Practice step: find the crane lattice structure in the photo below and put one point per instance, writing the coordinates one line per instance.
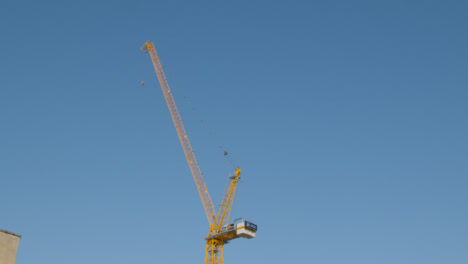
(220, 232)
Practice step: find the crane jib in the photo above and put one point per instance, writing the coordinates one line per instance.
(190, 156)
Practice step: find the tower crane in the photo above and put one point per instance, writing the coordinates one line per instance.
(220, 232)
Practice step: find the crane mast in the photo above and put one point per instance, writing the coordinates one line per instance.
(220, 232)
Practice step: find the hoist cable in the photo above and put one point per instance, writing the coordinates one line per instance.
(227, 154)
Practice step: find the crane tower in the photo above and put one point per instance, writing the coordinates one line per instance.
(220, 232)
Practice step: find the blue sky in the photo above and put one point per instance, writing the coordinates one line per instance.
(348, 119)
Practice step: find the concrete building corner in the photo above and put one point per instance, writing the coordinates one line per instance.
(8, 247)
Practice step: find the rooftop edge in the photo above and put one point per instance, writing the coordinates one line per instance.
(10, 233)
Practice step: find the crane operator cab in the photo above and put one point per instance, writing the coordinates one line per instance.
(242, 228)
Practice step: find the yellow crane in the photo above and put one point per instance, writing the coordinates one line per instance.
(221, 232)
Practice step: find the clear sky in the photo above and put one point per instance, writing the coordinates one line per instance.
(348, 119)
